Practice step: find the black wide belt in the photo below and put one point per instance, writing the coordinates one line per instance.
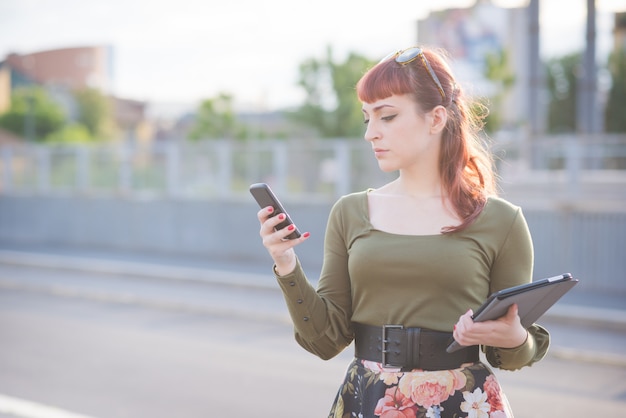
(409, 348)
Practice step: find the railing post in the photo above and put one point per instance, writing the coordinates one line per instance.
(6, 181)
(280, 163)
(573, 166)
(125, 170)
(225, 167)
(43, 168)
(83, 173)
(342, 167)
(172, 169)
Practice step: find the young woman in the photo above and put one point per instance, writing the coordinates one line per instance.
(405, 264)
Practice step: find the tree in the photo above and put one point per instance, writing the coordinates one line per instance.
(33, 114)
(215, 119)
(95, 113)
(70, 133)
(562, 88)
(331, 106)
(615, 113)
(498, 71)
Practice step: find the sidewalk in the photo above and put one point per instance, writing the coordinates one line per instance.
(578, 309)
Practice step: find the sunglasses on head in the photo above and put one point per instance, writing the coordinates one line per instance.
(408, 55)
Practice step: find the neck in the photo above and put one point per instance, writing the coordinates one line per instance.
(420, 187)
(421, 179)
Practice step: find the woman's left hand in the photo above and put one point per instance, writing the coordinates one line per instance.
(504, 332)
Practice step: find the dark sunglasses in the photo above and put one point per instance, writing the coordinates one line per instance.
(411, 54)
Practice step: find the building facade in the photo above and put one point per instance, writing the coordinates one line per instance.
(63, 71)
(469, 35)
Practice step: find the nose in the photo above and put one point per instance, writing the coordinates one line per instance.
(371, 132)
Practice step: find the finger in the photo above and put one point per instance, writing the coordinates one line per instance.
(264, 213)
(512, 312)
(269, 223)
(466, 319)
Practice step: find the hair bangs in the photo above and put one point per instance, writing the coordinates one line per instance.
(382, 81)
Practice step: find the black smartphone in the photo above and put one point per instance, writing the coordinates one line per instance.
(265, 197)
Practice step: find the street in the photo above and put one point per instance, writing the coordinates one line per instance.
(110, 346)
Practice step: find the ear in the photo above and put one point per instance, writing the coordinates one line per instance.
(438, 119)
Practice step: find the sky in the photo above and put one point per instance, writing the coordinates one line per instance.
(176, 53)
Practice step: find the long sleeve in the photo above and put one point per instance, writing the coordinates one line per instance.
(322, 316)
(515, 260)
(374, 277)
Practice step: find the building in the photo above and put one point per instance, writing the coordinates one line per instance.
(469, 34)
(62, 71)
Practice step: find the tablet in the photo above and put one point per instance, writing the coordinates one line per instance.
(533, 300)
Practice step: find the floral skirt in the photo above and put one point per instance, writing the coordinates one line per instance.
(370, 391)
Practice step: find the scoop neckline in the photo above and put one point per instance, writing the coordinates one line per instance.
(372, 228)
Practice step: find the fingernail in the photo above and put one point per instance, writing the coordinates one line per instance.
(306, 234)
(281, 216)
(455, 327)
(270, 209)
(291, 227)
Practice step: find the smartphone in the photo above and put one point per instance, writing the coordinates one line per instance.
(265, 197)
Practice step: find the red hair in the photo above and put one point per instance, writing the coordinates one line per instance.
(465, 164)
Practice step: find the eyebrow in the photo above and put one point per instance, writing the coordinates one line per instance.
(378, 108)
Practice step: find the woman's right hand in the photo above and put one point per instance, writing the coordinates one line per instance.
(279, 247)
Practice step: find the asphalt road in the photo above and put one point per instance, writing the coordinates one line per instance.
(117, 346)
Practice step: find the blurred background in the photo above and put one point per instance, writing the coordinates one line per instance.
(131, 130)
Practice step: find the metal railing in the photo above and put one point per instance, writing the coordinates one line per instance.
(322, 169)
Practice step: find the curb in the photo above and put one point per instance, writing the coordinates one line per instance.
(609, 319)
(141, 269)
(612, 319)
(572, 315)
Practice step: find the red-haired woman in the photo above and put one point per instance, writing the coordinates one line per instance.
(405, 264)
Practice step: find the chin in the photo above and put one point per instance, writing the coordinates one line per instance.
(387, 168)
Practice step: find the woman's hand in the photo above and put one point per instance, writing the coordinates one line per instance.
(279, 247)
(504, 332)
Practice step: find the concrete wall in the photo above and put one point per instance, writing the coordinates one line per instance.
(591, 245)
(224, 229)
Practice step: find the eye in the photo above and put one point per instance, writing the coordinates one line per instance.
(388, 118)
(366, 121)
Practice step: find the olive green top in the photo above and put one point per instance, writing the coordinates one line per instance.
(376, 278)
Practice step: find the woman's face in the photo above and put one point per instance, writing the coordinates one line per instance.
(399, 133)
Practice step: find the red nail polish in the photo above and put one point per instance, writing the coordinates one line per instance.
(281, 216)
(306, 235)
(291, 227)
(270, 209)
(455, 327)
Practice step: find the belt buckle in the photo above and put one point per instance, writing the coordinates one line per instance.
(385, 343)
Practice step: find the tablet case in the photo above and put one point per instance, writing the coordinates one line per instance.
(533, 300)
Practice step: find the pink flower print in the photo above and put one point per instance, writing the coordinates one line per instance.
(389, 375)
(494, 394)
(431, 388)
(395, 405)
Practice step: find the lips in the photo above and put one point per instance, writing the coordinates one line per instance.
(379, 152)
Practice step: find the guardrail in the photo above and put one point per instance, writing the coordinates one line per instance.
(193, 198)
(315, 169)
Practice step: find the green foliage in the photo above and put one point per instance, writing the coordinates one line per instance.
(331, 106)
(70, 133)
(95, 113)
(561, 84)
(33, 114)
(216, 119)
(498, 71)
(615, 113)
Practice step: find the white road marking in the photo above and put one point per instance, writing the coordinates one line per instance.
(27, 409)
